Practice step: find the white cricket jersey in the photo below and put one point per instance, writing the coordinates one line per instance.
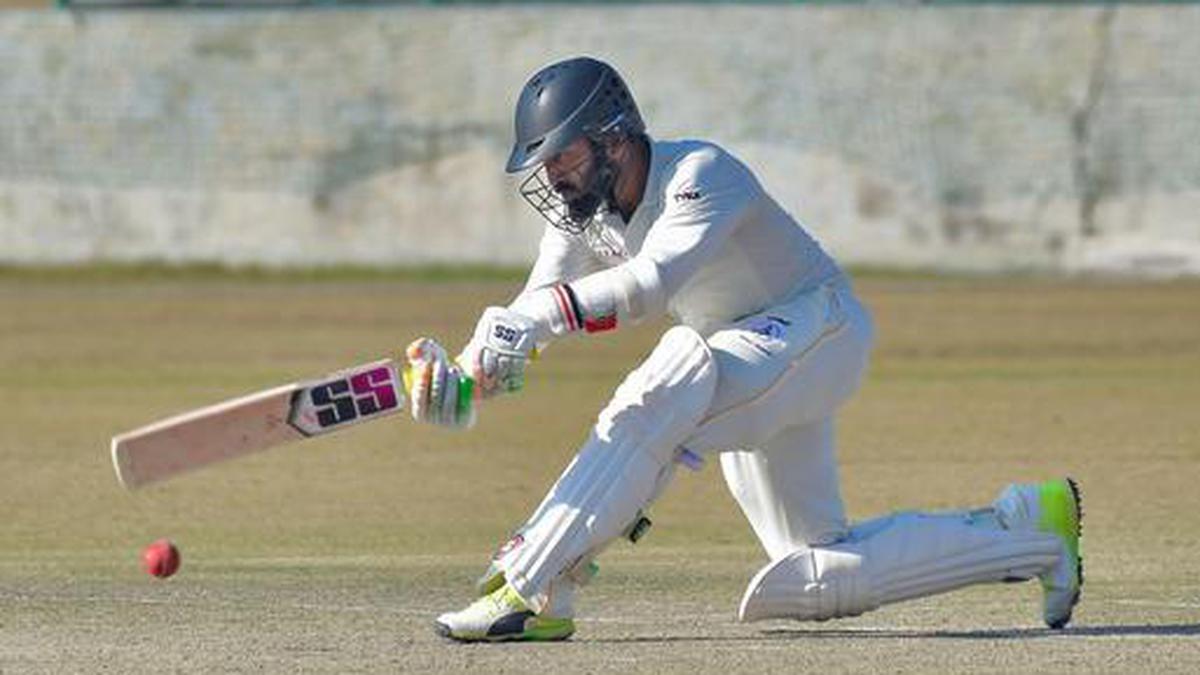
(707, 244)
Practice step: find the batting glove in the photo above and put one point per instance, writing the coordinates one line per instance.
(440, 392)
(496, 356)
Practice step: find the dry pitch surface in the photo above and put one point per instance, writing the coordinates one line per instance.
(334, 555)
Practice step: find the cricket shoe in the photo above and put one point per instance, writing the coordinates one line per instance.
(502, 616)
(1054, 507)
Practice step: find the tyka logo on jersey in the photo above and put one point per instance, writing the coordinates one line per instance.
(687, 195)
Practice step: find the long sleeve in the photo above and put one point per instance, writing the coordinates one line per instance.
(703, 203)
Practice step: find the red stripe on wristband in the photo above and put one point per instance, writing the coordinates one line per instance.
(564, 308)
(576, 310)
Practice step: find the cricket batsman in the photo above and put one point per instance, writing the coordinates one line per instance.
(770, 341)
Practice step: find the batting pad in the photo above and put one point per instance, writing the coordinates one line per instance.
(894, 558)
(622, 466)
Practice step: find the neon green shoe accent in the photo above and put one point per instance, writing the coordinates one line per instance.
(533, 628)
(510, 597)
(1060, 512)
(491, 581)
(544, 629)
(502, 616)
(1061, 515)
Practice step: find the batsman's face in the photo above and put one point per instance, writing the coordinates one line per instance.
(570, 171)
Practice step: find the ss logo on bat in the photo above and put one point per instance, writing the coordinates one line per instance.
(343, 401)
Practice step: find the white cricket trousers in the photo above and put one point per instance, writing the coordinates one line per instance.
(782, 375)
(763, 390)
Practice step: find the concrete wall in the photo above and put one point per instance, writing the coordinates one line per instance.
(973, 137)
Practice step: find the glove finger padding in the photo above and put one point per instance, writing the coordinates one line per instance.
(417, 377)
(496, 373)
(441, 393)
(496, 357)
(450, 375)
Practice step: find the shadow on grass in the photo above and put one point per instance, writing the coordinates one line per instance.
(1141, 630)
(1152, 630)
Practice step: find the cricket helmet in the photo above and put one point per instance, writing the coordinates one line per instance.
(562, 103)
(568, 100)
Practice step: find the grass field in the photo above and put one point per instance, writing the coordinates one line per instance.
(335, 554)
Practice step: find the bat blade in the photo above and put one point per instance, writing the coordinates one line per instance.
(249, 424)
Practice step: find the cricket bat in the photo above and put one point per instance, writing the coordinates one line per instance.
(249, 424)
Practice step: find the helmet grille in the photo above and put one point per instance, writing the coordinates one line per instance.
(540, 194)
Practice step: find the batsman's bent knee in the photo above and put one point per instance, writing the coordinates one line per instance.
(811, 584)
